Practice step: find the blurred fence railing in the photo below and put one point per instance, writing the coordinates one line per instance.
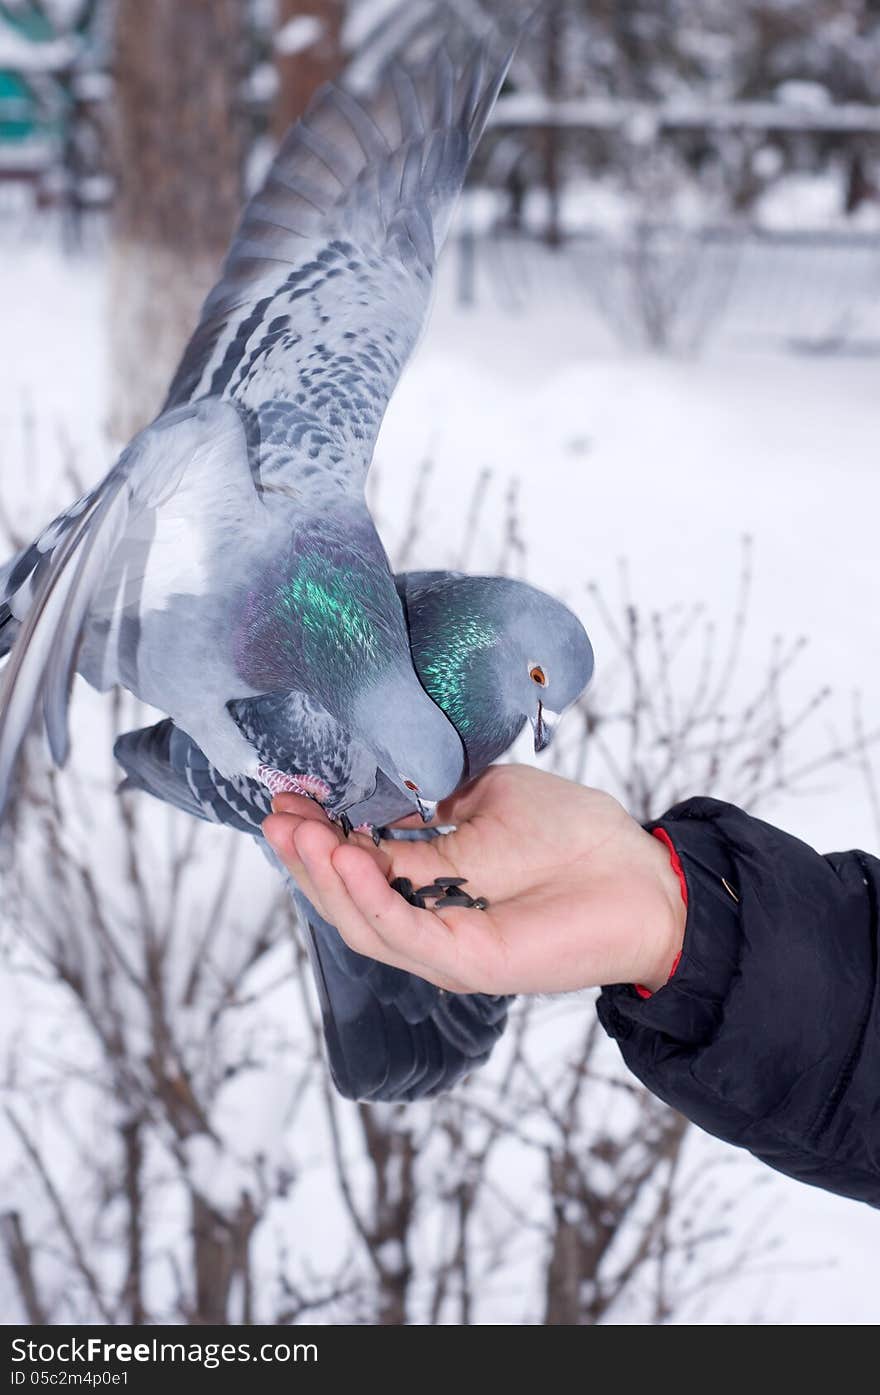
(679, 288)
(531, 109)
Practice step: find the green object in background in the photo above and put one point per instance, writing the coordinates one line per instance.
(27, 20)
(19, 109)
(28, 112)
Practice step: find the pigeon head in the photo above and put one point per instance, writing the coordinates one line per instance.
(494, 653)
(555, 661)
(415, 745)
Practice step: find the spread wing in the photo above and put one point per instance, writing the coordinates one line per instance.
(78, 569)
(327, 284)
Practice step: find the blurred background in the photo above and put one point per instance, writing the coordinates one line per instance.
(650, 385)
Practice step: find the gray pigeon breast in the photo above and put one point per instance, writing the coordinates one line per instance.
(295, 735)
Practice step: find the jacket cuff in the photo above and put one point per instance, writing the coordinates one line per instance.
(688, 1007)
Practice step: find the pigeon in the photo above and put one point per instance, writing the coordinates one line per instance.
(493, 653)
(229, 553)
(476, 642)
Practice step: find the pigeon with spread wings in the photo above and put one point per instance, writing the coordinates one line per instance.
(229, 553)
(493, 653)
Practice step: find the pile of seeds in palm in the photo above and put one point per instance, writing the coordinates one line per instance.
(444, 892)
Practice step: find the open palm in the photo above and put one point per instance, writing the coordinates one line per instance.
(578, 893)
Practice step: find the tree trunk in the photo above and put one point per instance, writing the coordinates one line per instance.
(308, 52)
(221, 1263)
(179, 147)
(392, 1155)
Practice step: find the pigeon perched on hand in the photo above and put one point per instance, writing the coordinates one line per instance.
(229, 553)
(493, 653)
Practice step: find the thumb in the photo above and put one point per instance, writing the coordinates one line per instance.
(456, 808)
(465, 802)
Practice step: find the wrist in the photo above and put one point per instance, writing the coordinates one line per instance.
(663, 937)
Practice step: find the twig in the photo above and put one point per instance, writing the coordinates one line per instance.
(61, 1215)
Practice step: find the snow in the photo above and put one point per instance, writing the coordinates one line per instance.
(92, 85)
(811, 201)
(803, 94)
(261, 84)
(23, 56)
(298, 34)
(619, 453)
(31, 154)
(364, 18)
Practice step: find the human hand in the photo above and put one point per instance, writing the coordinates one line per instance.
(579, 894)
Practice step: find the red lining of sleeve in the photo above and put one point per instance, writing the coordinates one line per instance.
(679, 872)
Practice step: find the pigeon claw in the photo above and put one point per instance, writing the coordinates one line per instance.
(370, 831)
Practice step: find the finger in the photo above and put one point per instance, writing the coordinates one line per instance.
(476, 851)
(301, 807)
(279, 830)
(280, 827)
(522, 944)
(421, 862)
(442, 947)
(380, 855)
(307, 849)
(298, 804)
(358, 930)
(463, 803)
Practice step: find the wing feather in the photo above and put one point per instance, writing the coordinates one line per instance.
(51, 589)
(25, 669)
(327, 284)
(103, 533)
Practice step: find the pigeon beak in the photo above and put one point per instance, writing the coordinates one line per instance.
(544, 725)
(427, 808)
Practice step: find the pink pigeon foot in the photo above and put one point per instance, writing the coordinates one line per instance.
(277, 782)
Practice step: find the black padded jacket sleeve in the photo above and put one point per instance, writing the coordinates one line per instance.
(768, 1033)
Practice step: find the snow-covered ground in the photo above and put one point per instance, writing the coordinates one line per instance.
(663, 461)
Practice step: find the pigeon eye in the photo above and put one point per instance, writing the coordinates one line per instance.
(537, 675)
(411, 785)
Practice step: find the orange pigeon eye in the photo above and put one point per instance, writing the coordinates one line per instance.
(537, 675)
(410, 784)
